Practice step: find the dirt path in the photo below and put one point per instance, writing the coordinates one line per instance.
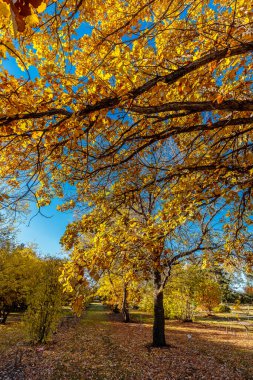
(100, 347)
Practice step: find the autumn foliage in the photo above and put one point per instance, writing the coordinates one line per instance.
(21, 12)
(144, 110)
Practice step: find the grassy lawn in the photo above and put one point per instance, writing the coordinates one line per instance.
(237, 319)
(99, 346)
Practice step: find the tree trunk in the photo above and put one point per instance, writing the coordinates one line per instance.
(159, 320)
(115, 309)
(3, 316)
(125, 308)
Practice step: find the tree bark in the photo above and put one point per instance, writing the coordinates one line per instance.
(159, 320)
(125, 308)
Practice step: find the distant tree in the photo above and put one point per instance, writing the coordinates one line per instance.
(114, 291)
(189, 287)
(248, 290)
(7, 234)
(120, 291)
(209, 294)
(225, 279)
(180, 293)
(18, 267)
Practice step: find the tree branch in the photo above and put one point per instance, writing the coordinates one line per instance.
(228, 105)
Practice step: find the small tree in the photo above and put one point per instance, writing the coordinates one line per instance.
(119, 291)
(109, 290)
(17, 269)
(180, 293)
(45, 302)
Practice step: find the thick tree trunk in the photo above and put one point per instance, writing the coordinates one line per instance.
(159, 320)
(125, 308)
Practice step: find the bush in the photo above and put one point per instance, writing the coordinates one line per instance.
(208, 294)
(222, 309)
(179, 306)
(43, 313)
(147, 302)
(237, 305)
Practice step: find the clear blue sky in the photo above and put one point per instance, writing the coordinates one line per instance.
(44, 231)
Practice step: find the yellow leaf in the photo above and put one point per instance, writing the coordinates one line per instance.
(32, 20)
(41, 8)
(4, 9)
(219, 99)
(2, 49)
(213, 66)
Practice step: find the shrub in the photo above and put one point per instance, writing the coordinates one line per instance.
(237, 305)
(222, 309)
(147, 302)
(180, 307)
(208, 294)
(45, 303)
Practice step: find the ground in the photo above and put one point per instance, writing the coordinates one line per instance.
(99, 347)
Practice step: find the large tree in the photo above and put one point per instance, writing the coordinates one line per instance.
(145, 237)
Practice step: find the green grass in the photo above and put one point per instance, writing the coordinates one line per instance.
(232, 320)
(141, 317)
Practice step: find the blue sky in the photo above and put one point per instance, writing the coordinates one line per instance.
(44, 231)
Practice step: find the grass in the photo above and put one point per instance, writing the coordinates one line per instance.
(237, 319)
(226, 321)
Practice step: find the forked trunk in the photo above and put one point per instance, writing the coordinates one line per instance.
(159, 320)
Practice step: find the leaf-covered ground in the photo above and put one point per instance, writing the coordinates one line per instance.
(99, 346)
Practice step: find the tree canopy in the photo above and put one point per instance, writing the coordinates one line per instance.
(118, 79)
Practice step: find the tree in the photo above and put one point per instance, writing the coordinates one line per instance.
(142, 238)
(119, 291)
(180, 293)
(17, 277)
(189, 287)
(110, 290)
(209, 295)
(44, 302)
